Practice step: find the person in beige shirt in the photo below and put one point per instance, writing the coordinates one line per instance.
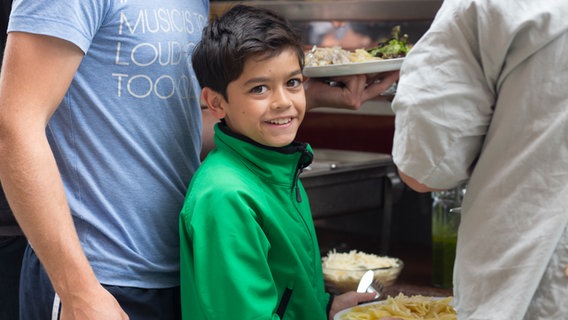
(482, 98)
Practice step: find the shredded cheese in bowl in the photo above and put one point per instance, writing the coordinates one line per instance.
(342, 271)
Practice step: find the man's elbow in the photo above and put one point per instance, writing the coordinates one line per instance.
(414, 184)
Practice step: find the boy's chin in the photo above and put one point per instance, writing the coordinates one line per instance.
(277, 143)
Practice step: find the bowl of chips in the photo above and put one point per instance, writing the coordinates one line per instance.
(343, 271)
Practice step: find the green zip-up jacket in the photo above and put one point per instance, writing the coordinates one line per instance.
(248, 244)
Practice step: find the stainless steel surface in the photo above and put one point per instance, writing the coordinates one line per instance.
(354, 10)
(344, 160)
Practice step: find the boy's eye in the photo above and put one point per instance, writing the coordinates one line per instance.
(293, 83)
(258, 89)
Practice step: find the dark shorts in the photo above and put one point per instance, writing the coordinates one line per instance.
(11, 252)
(38, 299)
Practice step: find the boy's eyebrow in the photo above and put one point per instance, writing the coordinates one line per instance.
(295, 73)
(265, 79)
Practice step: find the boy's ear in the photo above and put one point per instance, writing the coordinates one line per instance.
(214, 102)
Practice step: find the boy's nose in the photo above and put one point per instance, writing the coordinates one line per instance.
(281, 99)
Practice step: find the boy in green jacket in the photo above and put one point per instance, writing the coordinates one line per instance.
(248, 243)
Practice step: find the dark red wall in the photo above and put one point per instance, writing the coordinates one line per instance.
(357, 132)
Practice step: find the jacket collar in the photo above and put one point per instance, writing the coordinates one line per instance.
(276, 164)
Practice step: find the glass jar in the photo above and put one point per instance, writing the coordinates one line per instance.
(446, 214)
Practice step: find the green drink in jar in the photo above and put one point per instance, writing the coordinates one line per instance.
(446, 214)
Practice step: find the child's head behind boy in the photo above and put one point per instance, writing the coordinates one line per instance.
(249, 64)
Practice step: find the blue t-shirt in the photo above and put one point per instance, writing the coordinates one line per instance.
(127, 134)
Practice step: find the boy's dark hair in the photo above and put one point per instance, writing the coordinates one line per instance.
(239, 34)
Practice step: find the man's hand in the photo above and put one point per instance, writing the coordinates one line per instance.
(349, 299)
(99, 305)
(349, 92)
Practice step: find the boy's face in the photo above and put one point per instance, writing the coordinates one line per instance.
(267, 102)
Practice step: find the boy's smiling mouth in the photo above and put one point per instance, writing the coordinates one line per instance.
(281, 121)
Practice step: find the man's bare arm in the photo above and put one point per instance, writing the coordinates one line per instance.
(36, 74)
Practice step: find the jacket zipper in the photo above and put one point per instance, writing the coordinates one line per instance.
(299, 170)
(284, 303)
